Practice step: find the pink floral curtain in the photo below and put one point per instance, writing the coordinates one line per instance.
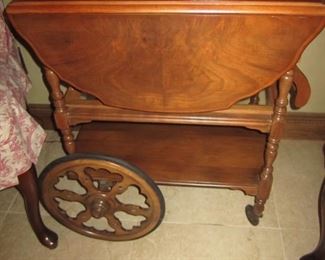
(21, 138)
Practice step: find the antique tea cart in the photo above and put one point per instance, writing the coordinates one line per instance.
(164, 81)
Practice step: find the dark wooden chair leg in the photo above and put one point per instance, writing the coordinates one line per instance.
(29, 190)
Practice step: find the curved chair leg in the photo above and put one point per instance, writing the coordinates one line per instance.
(29, 190)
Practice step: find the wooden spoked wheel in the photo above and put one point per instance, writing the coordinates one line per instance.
(99, 187)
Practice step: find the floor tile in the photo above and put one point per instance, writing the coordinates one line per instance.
(298, 242)
(7, 197)
(18, 207)
(17, 231)
(296, 188)
(163, 243)
(212, 206)
(2, 217)
(50, 152)
(297, 203)
(189, 241)
(200, 223)
(121, 250)
(52, 135)
(306, 156)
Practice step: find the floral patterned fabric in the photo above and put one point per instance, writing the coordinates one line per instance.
(21, 138)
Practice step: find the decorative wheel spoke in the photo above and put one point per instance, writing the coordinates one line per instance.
(119, 188)
(72, 175)
(113, 178)
(115, 223)
(82, 217)
(86, 182)
(134, 210)
(68, 195)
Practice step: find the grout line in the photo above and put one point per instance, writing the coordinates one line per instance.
(238, 226)
(7, 211)
(274, 194)
(223, 225)
(279, 223)
(131, 252)
(303, 228)
(14, 199)
(1, 222)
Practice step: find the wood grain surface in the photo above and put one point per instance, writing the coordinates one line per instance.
(182, 155)
(168, 63)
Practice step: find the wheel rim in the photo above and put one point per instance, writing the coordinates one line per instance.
(105, 181)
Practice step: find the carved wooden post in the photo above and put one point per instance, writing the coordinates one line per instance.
(277, 127)
(60, 113)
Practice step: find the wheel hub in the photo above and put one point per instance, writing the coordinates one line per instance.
(99, 206)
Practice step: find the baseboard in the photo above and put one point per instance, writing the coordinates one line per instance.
(300, 125)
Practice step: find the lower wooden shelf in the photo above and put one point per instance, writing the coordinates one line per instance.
(209, 156)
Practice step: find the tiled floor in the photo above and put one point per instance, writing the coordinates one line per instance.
(199, 223)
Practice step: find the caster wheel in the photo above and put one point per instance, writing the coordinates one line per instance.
(101, 197)
(251, 216)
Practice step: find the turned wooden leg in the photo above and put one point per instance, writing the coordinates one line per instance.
(29, 190)
(60, 113)
(266, 178)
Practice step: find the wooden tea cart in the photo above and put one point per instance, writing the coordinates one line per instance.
(163, 80)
